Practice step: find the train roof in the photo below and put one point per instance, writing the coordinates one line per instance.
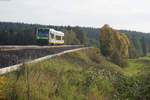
(57, 32)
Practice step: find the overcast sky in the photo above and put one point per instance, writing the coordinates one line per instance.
(119, 14)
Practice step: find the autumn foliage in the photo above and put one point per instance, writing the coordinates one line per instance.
(112, 43)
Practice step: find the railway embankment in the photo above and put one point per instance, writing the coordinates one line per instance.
(81, 75)
(12, 55)
(49, 53)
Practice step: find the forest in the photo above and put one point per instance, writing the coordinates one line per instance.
(24, 34)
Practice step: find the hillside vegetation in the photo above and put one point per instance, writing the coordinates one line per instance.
(82, 75)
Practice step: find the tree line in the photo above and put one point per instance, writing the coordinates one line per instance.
(25, 34)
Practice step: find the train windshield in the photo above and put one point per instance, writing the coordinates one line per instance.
(43, 31)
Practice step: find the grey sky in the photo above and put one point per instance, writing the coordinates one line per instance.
(120, 14)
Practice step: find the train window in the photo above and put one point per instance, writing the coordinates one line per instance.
(62, 37)
(43, 31)
(58, 37)
(52, 36)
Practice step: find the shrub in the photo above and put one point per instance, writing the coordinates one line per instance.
(119, 60)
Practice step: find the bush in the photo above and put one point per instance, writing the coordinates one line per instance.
(119, 60)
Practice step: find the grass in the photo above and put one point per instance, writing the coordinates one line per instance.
(137, 65)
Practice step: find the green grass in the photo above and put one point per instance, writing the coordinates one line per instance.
(137, 65)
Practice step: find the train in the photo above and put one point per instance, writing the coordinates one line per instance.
(49, 36)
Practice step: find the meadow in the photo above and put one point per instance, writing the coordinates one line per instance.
(138, 65)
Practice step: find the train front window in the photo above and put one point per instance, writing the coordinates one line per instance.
(43, 31)
(58, 37)
(52, 36)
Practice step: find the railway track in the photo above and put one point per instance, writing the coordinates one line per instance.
(12, 55)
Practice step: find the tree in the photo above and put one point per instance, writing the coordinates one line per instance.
(106, 40)
(84, 38)
(70, 37)
(124, 45)
(114, 45)
(66, 36)
(144, 45)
